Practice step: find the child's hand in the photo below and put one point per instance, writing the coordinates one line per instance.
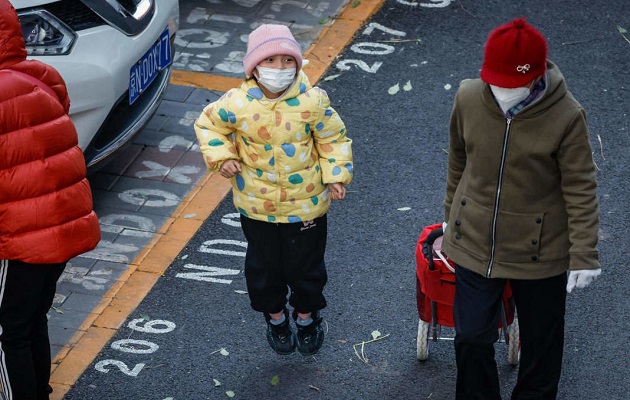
(230, 168)
(337, 191)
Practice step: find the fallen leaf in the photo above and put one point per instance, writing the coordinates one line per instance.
(621, 32)
(331, 77)
(601, 147)
(394, 89)
(224, 352)
(230, 393)
(145, 317)
(324, 21)
(216, 383)
(58, 310)
(275, 380)
(407, 86)
(361, 345)
(314, 388)
(190, 215)
(356, 3)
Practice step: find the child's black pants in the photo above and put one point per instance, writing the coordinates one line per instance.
(283, 256)
(26, 294)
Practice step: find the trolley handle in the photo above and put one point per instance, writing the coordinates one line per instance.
(436, 233)
(431, 238)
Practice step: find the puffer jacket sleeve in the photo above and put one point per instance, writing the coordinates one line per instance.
(46, 212)
(579, 189)
(214, 129)
(333, 145)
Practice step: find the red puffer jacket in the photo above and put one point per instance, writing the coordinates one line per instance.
(46, 211)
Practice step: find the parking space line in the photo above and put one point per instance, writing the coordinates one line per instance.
(145, 270)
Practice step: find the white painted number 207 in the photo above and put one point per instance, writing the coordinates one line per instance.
(345, 65)
(370, 48)
(135, 346)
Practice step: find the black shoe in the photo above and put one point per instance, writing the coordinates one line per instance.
(310, 337)
(281, 337)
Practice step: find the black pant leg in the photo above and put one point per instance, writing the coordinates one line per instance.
(304, 247)
(40, 342)
(266, 284)
(540, 305)
(26, 290)
(476, 314)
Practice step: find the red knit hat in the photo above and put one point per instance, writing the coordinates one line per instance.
(270, 40)
(516, 54)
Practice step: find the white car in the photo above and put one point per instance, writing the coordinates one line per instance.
(115, 56)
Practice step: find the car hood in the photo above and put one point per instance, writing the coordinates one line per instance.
(31, 3)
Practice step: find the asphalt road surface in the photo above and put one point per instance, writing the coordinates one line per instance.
(195, 337)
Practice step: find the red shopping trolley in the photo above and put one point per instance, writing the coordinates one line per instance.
(435, 294)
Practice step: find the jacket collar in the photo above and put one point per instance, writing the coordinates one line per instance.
(555, 90)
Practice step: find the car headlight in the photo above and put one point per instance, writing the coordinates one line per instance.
(44, 34)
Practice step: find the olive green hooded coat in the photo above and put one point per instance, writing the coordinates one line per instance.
(521, 196)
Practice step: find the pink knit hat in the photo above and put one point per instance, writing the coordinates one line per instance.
(516, 54)
(270, 40)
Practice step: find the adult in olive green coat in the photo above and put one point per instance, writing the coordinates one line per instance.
(520, 204)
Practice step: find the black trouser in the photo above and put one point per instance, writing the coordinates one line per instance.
(540, 306)
(283, 256)
(26, 294)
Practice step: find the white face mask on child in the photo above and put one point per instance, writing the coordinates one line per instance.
(275, 80)
(508, 98)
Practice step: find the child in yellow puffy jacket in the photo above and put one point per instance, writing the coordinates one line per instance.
(285, 150)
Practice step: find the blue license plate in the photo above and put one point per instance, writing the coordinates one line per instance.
(143, 73)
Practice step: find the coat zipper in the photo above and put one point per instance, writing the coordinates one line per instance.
(495, 213)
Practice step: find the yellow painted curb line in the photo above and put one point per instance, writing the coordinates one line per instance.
(142, 274)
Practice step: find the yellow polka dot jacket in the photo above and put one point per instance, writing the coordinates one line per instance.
(289, 149)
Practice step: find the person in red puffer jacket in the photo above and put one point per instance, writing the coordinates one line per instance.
(46, 215)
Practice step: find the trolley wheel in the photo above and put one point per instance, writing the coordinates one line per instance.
(514, 343)
(422, 341)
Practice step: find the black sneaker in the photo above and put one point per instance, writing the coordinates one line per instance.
(310, 337)
(281, 337)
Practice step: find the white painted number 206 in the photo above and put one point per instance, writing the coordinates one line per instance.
(135, 346)
(101, 367)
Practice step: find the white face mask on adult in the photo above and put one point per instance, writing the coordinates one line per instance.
(275, 80)
(508, 98)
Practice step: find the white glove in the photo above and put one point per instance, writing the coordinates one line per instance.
(581, 278)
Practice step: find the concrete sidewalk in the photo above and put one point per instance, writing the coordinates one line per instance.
(212, 36)
(154, 195)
